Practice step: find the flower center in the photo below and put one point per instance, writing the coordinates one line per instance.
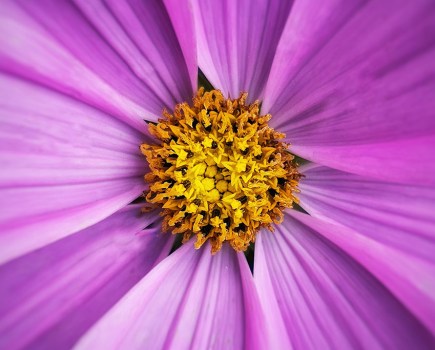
(220, 172)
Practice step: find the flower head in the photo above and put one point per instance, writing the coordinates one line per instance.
(220, 172)
(346, 86)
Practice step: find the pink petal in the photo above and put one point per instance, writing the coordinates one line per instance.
(323, 298)
(352, 86)
(191, 300)
(181, 17)
(391, 230)
(121, 57)
(50, 297)
(398, 216)
(393, 161)
(65, 166)
(237, 41)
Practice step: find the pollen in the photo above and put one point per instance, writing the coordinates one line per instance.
(218, 171)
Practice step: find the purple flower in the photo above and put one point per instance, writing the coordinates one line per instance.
(351, 83)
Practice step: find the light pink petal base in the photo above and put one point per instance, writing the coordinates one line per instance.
(50, 297)
(323, 298)
(191, 300)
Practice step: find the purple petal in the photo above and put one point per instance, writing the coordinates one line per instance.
(366, 108)
(121, 57)
(50, 297)
(190, 300)
(237, 41)
(324, 298)
(398, 216)
(181, 17)
(400, 161)
(392, 230)
(65, 166)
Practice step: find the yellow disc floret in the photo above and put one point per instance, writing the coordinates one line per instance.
(219, 171)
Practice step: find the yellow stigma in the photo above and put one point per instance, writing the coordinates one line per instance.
(219, 171)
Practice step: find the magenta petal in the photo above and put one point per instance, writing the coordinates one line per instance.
(50, 297)
(398, 216)
(121, 57)
(191, 300)
(65, 166)
(181, 17)
(324, 298)
(391, 230)
(366, 108)
(237, 41)
(401, 161)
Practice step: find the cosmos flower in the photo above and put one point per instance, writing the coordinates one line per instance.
(350, 83)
